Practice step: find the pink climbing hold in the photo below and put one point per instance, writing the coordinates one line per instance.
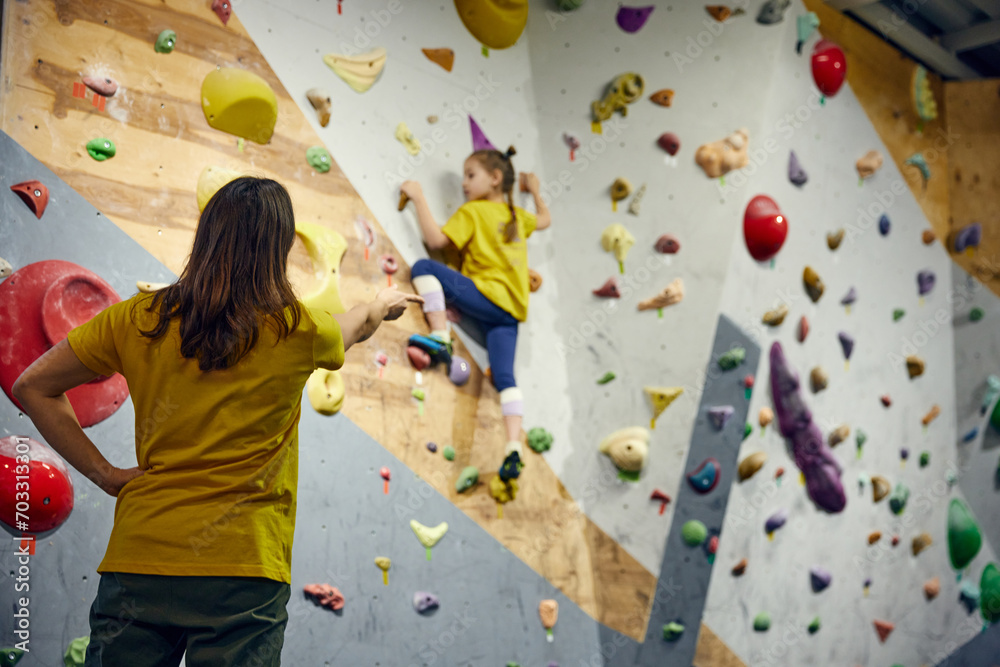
(479, 140)
(669, 142)
(803, 329)
(325, 595)
(101, 85)
(667, 244)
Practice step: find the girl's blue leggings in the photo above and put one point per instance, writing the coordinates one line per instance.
(497, 325)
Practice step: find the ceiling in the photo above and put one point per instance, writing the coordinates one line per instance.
(958, 39)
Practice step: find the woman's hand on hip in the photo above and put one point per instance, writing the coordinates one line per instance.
(113, 479)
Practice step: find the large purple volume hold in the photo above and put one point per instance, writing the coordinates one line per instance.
(812, 455)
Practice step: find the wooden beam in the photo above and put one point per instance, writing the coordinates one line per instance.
(973, 37)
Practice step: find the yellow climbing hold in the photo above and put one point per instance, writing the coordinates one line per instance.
(211, 180)
(240, 103)
(496, 23)
(615, 238)
(326, 248)
(359, 72)
(428, 536)
(384, 564)
(503, 492)
(405, 136)
(325, 389)
(661, 397)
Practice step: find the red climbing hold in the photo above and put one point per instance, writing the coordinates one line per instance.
(829, 67)
(884, 629)
(764, 228)
(222, 9)
(34, 194)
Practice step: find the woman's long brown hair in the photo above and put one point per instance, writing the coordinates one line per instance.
(493, 160)
(236, 278)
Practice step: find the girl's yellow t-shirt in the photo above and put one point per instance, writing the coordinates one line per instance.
(498, 269)
(219, 448)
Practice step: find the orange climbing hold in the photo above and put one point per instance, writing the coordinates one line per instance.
(719, 12)
(663, 97)
(443, 57)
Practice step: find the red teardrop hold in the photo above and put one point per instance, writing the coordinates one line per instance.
(764, 228)
(829, 67)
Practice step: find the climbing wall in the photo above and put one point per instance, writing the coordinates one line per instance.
(872, 580)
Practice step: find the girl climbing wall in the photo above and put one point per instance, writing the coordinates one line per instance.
(200, 551)
(492, 288)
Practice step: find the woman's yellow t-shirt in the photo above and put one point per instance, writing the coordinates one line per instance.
(498, 269)
(219, 448)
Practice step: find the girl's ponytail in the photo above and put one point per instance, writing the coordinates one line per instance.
(510, 229)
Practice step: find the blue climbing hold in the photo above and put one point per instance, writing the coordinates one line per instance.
(705, 477)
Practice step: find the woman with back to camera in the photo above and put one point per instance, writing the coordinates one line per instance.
(215, 364)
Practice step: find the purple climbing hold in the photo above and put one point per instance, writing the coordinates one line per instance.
(812, 455)
(796, 174)
(819, 578)
(904, 453)
(631, 19)
(846, 343)
(432, 447)
(968, 237)
(883, 225)
(479, 140)
(459, 371)
(776, 520)
(850, 297)
(719, 415)
(925, 281)
(705, 477)
(424, 601)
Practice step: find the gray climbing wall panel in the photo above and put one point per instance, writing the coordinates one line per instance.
(686, 571)
(489, 598)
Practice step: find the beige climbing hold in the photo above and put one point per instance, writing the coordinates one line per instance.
(211, 180)
(874, 536)
(325, 389)
(633, 206)
(405, 137)
(432, 119)
(326, 249)
(931, 415)
(627, 448)
(445, 58)
(615, 238)
(839, 434)
(668, 296)
(773, 318)
(932, 587)
(428, 536)
(818, 379)
(813, 283)
(5, 268)
(921, 542)
(144, 286)
(620, 189)
(914, 366)
(548, 612)
(750, 465)
(503, 492)
(720, 157)
(868, 164)
(765, 416)
(320, 101)
(880, 487)
(359, 72)
(834, 239)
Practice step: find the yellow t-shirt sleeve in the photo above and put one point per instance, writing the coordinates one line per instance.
(530, 222)
(328, 343)
(94, 341)
(460, 227)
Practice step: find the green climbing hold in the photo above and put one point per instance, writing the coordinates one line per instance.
(467, 478)
(449, 452)
(606, 378)
(964, 538)
(976, 314)
(732, 358)
(101, 149)
(925, 459)
(513, 664)
(569, 5)
(694, 532)
(898, 498)
(319, 159)
(166, 41)
(897, 314)
(747, 430)
(995, 416)
(539, 439)
(814, 626)
(989, 593)
(76, 652)
(672, 631)
(10, 656)
(418, 394)
(762, 622)
(861, 438)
